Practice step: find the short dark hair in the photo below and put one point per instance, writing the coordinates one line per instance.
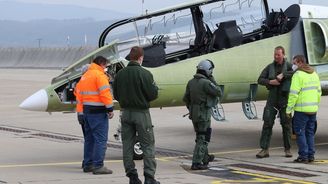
(300, 58)
(100, 60)
(280, 48)
(135, 53)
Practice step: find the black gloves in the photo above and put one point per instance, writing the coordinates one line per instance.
(211, 78)
(80, 118)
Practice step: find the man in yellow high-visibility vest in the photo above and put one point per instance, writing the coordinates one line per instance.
(304, 97)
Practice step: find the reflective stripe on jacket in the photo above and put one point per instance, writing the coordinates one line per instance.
(305, 92)
(93, 89)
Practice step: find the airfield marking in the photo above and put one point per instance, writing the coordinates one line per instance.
(174, 157)
(322, 144)
(51, 164)
(164, 159)
(321, 161)
(260, 178)
(242, 151)
(249, 150)
(230, 152)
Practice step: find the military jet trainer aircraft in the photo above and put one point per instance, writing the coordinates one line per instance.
(237, 35)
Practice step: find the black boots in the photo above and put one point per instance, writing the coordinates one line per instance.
(134, 179)
(196, 166)
(210, 159)
(149, 180)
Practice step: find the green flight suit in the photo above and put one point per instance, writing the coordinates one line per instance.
(134, 88)
(201, 94)
(276, 102)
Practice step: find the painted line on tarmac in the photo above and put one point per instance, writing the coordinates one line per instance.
(321, 161)
(164, 159)
(51, 164)
(242, 151)
(215, 153)
(260, 178)
(251, 150)
(322, 144)
(167, 159)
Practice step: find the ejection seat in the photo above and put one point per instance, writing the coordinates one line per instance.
(154, 54)
(281, 22)
(226, 36)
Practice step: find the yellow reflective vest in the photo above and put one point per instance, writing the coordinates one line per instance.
(305, 92)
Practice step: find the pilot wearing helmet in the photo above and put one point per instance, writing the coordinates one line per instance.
(201, 94)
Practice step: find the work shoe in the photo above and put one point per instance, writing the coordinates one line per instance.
(134, 179)
(198, 167)
(102, 170)
(301, 160)
(263, 154)
(88, 168)
(311, 159)
(210, 159)
(149, 180)
(288, 154)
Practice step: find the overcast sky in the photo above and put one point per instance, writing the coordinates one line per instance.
(136, 6)
(131, 6)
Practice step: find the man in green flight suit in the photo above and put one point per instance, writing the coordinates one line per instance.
(277, 78)
(201, 94)
(134, 88)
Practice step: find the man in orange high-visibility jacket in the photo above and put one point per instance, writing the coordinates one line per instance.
(79, 105)
(94, 93)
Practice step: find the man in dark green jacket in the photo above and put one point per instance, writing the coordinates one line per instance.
(134, 88)
(201, 94)
(276, 77)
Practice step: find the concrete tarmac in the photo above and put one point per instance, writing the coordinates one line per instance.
(40, 148)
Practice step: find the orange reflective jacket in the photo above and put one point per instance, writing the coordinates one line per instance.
(79, 105)
(93, 89)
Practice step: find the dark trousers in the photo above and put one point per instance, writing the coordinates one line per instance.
(200, 154)
(95, 139)
(138, 122)
(269, 116)
(304, 126)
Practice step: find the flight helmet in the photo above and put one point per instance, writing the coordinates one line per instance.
(207, 66)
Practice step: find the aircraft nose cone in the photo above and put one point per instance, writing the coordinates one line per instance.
(36, 102)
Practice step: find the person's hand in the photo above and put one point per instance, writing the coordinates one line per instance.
(289, 115)
(80, 119)
(280, 76)
(274, 82)
(110, 115)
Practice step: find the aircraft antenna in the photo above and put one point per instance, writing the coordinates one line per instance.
(142, 6)
(39, 41)
(85, 39)
(68, 41)
(300, 1)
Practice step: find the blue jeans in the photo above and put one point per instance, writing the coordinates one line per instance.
(95, 139)
(304, 125)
